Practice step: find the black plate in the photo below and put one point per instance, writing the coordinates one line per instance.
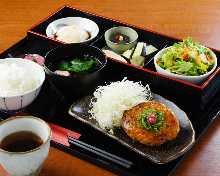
(158, 154)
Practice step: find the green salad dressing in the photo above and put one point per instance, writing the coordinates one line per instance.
(152, 120)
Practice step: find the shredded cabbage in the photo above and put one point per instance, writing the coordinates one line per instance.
(112, 100)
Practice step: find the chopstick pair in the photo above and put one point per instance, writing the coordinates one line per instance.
(101, 153)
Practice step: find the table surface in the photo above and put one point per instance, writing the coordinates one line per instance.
(199, 19)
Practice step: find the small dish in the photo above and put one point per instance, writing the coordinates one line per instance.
(24, 162)
(16, 102)
(85, 24)
(192, 79)
(158, 154)
(121, 47)
(79, 83)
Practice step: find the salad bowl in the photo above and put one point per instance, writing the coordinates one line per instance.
(192, 79)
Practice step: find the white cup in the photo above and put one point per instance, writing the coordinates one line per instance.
(25, 163)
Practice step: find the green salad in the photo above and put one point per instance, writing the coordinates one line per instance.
(187, 58)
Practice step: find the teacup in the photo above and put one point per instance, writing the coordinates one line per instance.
(25, 163)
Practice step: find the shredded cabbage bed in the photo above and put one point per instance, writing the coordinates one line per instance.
(112, 100)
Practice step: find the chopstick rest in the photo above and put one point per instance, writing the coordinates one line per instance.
(60, 134)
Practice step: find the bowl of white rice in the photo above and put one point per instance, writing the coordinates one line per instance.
(20, 83)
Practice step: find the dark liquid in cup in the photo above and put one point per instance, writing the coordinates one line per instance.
(21, 141)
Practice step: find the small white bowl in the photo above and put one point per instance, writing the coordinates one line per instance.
(84, 23)
(121, 47)
(30, 162)
(192, 79)
(17, 102)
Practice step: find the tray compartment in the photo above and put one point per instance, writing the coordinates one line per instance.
(100, 43)
(202, 94)
(103, 23)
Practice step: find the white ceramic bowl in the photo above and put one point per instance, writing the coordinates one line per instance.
(27, 163)
(13, 103)
(84, 23)
(192, 79)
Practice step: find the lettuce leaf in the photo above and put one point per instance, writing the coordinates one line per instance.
(182, 67)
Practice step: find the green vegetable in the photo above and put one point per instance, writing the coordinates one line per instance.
(150, 49)
(78, 65)
(138, 49)
(64, 65)
(187, 58)
(182, 67)
(168, 59)
(128, 53)
(151, 127)
(137, 60)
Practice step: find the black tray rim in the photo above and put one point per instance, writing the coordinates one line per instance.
(213, 117)
(198, 87)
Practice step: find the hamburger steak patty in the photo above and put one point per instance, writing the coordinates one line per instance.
(133, 128)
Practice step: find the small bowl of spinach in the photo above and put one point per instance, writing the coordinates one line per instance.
(75, 70)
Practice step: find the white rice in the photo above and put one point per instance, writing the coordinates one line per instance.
(16, 80)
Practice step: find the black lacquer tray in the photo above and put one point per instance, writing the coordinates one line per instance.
(200, 102)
